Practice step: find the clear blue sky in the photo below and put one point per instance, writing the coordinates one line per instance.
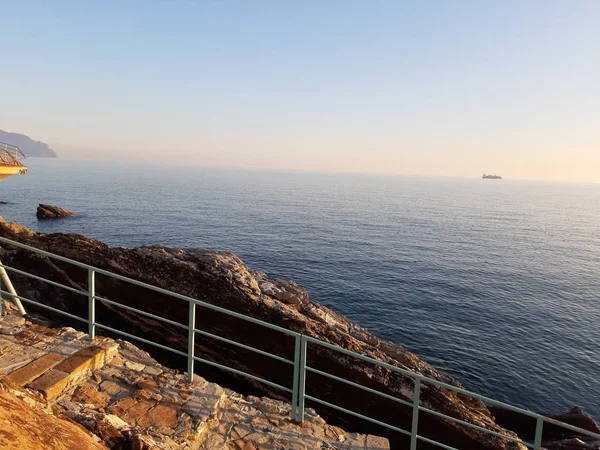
(442, 87)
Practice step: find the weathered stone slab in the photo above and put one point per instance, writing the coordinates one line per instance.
(263, 423)
(113, 388)
(87, 358)
(51, 384)
(90, 396)
(17, 357)
(12, 321)
(70, 347)
(35, 369)
(131, 410)
(149, 385)
(162, 416)
(7, 344)
(123, 405)
(137, 367)
(203, 403)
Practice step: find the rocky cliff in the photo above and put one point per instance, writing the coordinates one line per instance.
(28, 145)
(223, 279)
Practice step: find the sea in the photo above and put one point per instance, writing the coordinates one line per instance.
(496, 282)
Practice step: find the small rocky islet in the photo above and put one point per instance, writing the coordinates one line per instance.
(222, 279)
(47, 212)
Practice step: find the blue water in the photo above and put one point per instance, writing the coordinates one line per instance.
(496, 282)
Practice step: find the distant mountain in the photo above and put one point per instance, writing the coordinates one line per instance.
(28, 145)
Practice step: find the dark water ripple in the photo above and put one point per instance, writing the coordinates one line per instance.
(494, 282)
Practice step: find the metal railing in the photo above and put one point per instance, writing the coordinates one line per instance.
(299, 363)
(11, 154)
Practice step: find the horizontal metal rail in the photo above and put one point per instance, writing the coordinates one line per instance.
(429, 441)
(300, 367)
(143, 313)
(247, 375)
(151, 287)
(45, 280)
(41, 305)
(145, 341)
(359, 386)
(427, 380)
(360, 416)
(246, 347)
(471, 425)
(546, 419)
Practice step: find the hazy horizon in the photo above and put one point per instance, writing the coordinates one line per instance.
(433, 89)
(154, 164)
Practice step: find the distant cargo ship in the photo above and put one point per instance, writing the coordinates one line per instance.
(491, 177)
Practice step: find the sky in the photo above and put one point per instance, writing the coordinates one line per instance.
(453, 88)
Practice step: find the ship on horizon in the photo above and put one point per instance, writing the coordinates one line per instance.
(491, 177)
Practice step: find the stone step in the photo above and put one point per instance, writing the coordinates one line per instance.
(35, 369)
(120, 393)
(72, 371)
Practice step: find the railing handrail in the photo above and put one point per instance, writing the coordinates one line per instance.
(6, 147)
(300, 353)
(150, 287)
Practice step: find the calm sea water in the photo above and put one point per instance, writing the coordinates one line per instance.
(496, 282)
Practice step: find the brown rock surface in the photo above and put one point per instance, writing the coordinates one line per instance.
(23, 427)
(90, 395)
(554, 437)
(45, 212)
(223, 279)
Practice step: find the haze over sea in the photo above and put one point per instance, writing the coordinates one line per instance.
(495, 282)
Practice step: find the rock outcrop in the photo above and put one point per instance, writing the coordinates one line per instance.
(554, 437)
(45, 212)
(222, 279)
(25, 427)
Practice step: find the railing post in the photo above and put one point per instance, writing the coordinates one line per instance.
(11, 289)
(295, 389)
(415, 414)
(301, 378)
(539, 426)
(91, 304)
(191, 340)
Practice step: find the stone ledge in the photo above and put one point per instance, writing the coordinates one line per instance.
(35, 369)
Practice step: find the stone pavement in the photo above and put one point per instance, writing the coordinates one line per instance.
(123, 396)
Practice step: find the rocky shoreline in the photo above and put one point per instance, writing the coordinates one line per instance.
(222, 279)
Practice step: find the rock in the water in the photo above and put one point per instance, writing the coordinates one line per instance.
(52, 212)
(575, 417)
(554, 437)
(223, 279)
